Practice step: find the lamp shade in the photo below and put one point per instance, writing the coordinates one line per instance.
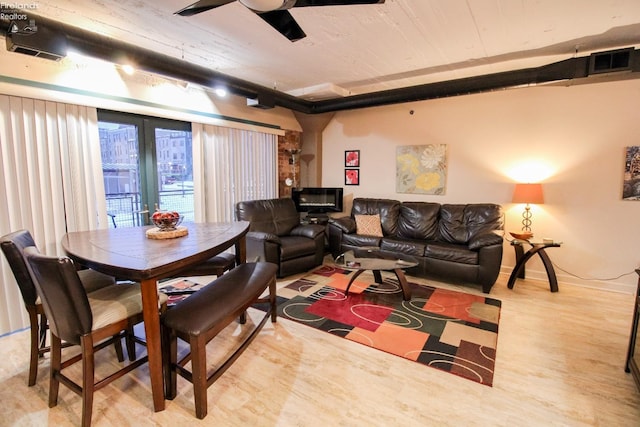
(528, 193)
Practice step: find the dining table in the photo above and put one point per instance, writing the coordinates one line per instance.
(129, 254)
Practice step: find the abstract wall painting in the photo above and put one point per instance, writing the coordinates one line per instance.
(631, 181)
(421, 169)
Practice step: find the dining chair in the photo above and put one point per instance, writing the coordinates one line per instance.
(92, 321)
(215, 266)
(13, 245)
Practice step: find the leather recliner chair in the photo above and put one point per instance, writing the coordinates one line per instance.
(276, 235)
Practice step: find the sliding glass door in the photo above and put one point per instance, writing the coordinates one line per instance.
(147, 164)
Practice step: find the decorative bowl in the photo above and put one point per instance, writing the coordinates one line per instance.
(165, 220)
(523, 235)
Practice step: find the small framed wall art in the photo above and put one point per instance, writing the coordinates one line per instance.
(352, 177)
(352, 158)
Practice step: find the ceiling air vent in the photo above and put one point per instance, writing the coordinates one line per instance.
(263, 101)
(43, 44)
(611, 61)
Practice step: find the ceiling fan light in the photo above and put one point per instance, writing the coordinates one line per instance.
(263, 5)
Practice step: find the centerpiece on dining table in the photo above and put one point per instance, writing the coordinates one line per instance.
(167, 225)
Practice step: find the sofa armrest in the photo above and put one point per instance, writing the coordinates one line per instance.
(261, 236)
(336, 229)
(346, 224)
(263, 246)
(311, 231)
(484, 239)
(489, 262)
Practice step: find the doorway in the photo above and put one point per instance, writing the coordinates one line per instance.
(147, 164)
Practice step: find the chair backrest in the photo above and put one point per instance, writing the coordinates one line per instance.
(63, 297)
(13, 245)
(276, 216)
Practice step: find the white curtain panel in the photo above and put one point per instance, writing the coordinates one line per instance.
(229, 166)
(50, 182)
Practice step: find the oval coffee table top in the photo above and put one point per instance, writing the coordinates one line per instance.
(376, 261)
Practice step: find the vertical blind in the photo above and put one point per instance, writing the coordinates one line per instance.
(51, 178)
(50, 182)
(231, 165)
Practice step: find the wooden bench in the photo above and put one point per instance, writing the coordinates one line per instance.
(199, 318)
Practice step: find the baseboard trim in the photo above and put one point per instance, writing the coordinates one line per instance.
(566, 279)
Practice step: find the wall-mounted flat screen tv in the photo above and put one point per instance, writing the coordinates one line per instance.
(319, 200)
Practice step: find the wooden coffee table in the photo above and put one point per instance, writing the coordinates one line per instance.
(376, 261)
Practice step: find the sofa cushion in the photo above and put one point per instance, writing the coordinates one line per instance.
(389, 211)
(459, 223)
(368, 225)
(485, 239)
(360, 240)
(296, 247)
(451, 252)
(483, 218)
(418, 220)
(408, 247)
(451, 225)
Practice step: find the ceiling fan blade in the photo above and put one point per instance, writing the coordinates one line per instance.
(282, 21)
(202, 6)
(305, 3)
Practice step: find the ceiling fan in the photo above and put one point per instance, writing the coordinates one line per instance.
(273, 12)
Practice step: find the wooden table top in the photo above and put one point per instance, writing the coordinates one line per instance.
(127, 253)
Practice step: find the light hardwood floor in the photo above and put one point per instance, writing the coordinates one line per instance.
(560, 362)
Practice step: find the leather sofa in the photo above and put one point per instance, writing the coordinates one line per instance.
(276, 235)
(459, 243)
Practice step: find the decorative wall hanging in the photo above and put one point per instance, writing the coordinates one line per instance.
(352, 158)
(352, 177)
(631, 182)
(421, 169)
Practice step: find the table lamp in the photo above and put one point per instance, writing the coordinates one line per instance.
(527, 193)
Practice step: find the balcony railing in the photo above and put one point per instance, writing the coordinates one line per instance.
(125, 209)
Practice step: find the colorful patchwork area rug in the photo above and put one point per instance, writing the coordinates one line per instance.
(448, 330)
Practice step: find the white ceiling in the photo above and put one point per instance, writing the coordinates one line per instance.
(359, 49)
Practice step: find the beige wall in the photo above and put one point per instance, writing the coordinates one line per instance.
(571, 139)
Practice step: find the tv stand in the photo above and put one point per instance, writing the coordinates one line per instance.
(317, 218)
